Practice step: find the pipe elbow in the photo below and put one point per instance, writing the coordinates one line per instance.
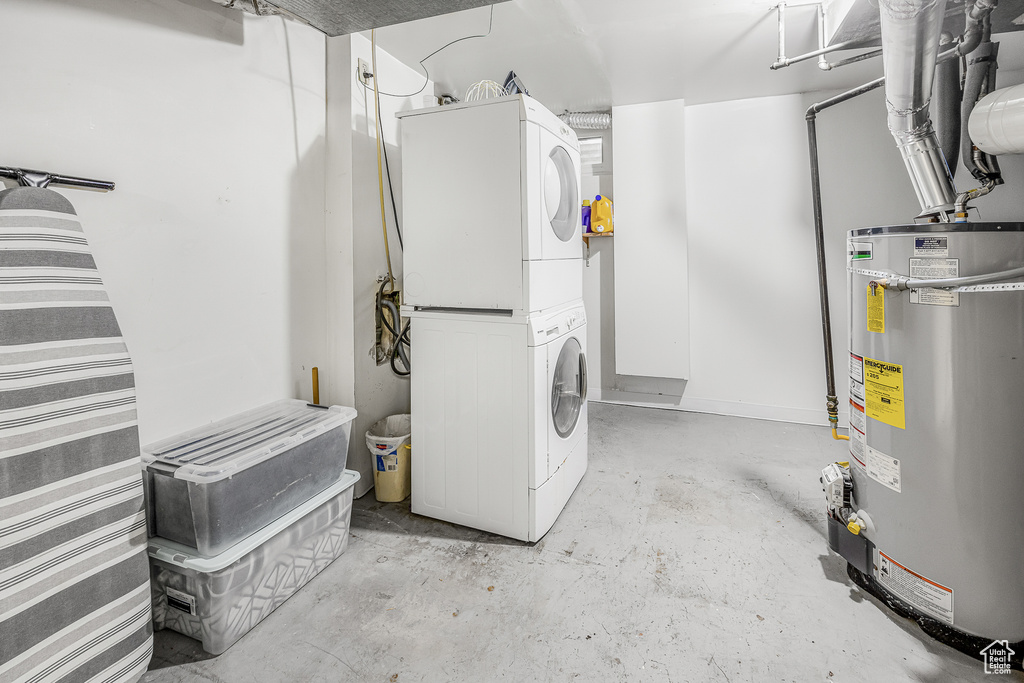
(970, 40)
(976, 15)
(981, 9)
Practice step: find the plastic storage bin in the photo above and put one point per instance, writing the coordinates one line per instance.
(219, 599)
(211, 487)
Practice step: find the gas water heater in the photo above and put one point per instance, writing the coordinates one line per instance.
(925, 510)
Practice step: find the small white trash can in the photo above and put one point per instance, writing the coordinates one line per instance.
(388, 441)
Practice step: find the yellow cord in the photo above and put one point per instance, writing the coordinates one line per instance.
(379, 132)
(839, 437)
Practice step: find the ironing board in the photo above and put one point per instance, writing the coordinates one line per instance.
(74, 575)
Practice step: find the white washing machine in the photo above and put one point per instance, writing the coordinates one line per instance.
(491, 207)
(499, 417)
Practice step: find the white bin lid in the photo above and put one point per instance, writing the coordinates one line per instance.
(227, 446)
(183, 556)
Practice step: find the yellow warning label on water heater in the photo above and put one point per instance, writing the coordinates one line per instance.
(883, 392)
(876, 309)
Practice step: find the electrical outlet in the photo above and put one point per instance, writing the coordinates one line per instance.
(362, 69)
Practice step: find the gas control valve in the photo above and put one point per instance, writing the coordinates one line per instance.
(837, 483)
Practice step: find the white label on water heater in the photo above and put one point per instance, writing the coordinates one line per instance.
(932, 246)
(858, 251)
(857, 391)
(857, 447)
(857, 418)
(929, 597)
(883, 468)
(856, 368)
(934, 268)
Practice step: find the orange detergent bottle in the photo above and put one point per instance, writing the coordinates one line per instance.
(602, 215)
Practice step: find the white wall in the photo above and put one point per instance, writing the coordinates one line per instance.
(599, 294)
(754, 318)
(211, 246)
(355, 239)
(652, 336)
(753, 297)
(228, 281)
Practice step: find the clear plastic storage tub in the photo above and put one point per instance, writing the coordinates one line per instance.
(211, 487)
(219, 599)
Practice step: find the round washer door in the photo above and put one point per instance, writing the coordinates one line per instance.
(561, 195)
(568, 387)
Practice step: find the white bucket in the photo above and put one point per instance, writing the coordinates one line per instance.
(388, 441)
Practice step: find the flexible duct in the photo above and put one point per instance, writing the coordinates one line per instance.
(580, 120)
(910, 43)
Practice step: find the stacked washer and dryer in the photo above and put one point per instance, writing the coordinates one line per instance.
(493, 287)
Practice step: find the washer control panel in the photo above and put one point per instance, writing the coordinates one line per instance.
(546, 328)
(575, 318)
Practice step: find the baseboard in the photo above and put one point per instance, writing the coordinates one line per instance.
(717, 407)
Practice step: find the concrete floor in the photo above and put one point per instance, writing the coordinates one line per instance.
(693, 550)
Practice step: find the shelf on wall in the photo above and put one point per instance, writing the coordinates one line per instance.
(586, 241)
(588, 235)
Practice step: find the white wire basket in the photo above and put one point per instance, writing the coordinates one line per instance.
(485, 90)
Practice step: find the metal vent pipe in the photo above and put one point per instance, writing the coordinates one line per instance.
(910, 44)
(586, 120)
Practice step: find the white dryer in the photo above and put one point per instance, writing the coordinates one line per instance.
(491, 207)
(499, 417)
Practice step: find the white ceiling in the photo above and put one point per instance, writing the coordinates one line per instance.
(585, 55)
(590, 54)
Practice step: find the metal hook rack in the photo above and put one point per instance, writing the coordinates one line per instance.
(31, 178)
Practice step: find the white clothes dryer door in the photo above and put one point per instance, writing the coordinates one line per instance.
(567, 406)
(554, 228)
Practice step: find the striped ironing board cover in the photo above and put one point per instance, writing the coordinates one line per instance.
(74, 574)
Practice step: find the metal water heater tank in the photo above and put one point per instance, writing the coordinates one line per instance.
(937, 407)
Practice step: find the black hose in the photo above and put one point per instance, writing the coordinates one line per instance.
(974, 82)
(378, 310)
(991, 161)
(398, 351)
(947, 100)
(400, 340)
(390, 306)
(398, 348)
(400, 337)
